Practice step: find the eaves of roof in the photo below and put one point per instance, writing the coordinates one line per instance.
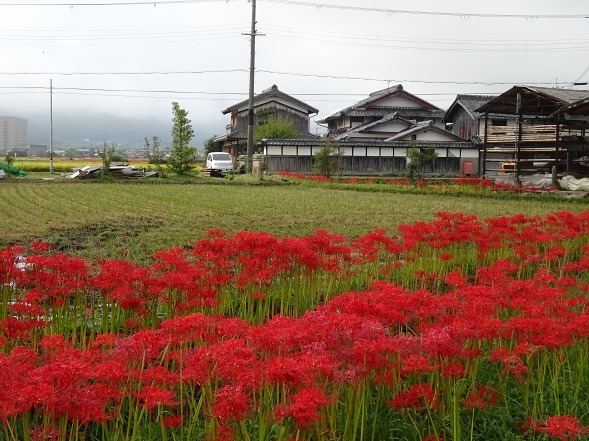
(230, 136)
(420, 127)
(371, 143)
(386, 118)
(469, 103)
(580, 107)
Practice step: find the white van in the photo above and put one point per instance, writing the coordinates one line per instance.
(220, 161)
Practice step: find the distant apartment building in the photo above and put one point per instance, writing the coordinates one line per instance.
(13, 133)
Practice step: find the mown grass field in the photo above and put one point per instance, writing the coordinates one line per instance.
(109, 219)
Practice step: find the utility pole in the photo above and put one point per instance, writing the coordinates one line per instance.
(50, 126)
(250, 109)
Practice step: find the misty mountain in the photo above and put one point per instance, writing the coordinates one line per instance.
(87, 128)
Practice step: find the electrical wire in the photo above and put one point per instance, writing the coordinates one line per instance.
(275, 72)
(391, 12)
(125, 3)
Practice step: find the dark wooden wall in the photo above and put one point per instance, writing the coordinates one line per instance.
(299, 119)
(362, 165)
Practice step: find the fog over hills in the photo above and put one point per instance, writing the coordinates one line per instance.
(93, 129)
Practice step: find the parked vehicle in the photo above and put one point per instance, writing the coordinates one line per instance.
(219, 161)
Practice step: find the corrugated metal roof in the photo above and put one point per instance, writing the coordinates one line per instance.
(566, 95)
(537, 101)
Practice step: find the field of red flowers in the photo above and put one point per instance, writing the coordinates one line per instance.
(458, 329)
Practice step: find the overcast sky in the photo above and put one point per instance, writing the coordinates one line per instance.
(127, 59)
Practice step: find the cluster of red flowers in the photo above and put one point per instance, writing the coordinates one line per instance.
(460, 299)
(469, 183)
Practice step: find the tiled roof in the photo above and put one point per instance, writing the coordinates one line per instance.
(363, 107)
(271, 92)
(230, 136)
(405, 112)
(361, 143)
(471, 103)
(421, 126)
(386, 118)
(414, 129)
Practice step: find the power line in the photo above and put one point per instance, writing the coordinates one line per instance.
(463, 15)
(274, 72)
(67, 90)
(182, 72)
(318, 6)
(369, 44)
(392, 80)
(124, 3)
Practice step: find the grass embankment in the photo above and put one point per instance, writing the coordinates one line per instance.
(105, 220)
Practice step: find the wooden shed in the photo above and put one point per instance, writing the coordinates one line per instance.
(548, 134)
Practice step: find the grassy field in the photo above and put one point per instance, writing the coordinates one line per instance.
(108, 219)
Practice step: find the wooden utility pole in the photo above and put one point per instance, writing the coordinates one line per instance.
(250, 111)
(51, 126)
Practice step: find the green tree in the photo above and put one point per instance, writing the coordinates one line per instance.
(9, 158)
(327, 161)
(418, 159)
(155, 155)
(210, 146)
(182, 157)
(107, 155)
(274, 128)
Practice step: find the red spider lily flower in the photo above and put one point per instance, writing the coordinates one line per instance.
(40, 246)
(156, 375)
(231, 403)
(110, 372)
(481, 398)
(173, 420)
(89, 404)
(453, 370)
(564, 428)
(49, 432)
(216, 233)
(152, 396)
(230, 360)
(416, 364)
(432, 437)
(420, 397)
(286, 371)
(305, 407)
(515, 365)
(103, 341)
(455, 279)
(15, 329)
(26, 309)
